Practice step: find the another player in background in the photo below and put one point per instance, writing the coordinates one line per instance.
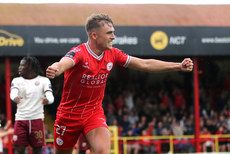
(30, 92)
(82, 146)
(86, 69)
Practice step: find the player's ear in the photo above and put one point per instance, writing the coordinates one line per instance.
(93, 35)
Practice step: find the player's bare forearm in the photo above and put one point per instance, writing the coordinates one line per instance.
(153, 65)
(53, 70)
(58, 68)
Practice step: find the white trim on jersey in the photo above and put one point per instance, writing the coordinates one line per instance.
(92, 53)
(127, 61)
(70, 59)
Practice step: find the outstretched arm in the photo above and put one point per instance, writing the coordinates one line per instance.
(58, 68)
(153, 65)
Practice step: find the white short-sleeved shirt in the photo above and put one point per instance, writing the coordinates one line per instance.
(32, 90)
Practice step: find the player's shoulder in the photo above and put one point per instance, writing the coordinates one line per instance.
(117, 51)
(43, 78)
(80, 49)
(17, 79)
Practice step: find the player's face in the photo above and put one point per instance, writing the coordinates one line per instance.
(105, 36)
(23, 68)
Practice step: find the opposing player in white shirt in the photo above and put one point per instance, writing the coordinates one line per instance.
(30, 92)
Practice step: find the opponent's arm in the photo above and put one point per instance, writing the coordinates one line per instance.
(14, 96)
(48, 99)
(153, 65)
(58, 68)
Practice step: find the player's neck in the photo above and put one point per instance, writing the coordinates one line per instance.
(30, 76)
(94, 48)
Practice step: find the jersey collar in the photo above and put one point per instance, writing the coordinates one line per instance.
(92, 53)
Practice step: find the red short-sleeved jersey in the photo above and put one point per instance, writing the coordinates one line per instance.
(84, 84)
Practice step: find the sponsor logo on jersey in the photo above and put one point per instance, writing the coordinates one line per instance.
(86, 65)
(37, 83)
(50, 86)
(70, 54)
(59, 141)
(75, 50)
(109, 66)
(94, 80)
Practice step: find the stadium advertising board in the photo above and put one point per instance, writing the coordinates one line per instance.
(140, 41)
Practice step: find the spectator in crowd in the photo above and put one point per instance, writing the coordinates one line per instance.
(211, 125)
(222, 121)
(110, 117)
(133, 117)
(177, 128)
(143, 121)
(228, 123)
(222, 141)
(189, 127)
(159, 128)
(166, 122)
(132, 145)
(119, 101)
(129, 100)
(222, 100)
(152, 126)
(179, 100)
(137, 128)
(5, 131)
(146, 144)
(208, 142)
(125, 125)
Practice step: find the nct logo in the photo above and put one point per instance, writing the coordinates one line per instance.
(10, 40)
(159, 40)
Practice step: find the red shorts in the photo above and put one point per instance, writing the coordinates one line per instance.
(67, 131)
(29, 132)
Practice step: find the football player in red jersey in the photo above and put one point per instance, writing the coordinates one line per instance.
(86, 69)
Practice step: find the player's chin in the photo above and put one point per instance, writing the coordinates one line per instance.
(110, 45)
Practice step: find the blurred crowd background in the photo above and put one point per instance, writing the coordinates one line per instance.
(141, 103)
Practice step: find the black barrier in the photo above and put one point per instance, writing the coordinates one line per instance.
(140, 41)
